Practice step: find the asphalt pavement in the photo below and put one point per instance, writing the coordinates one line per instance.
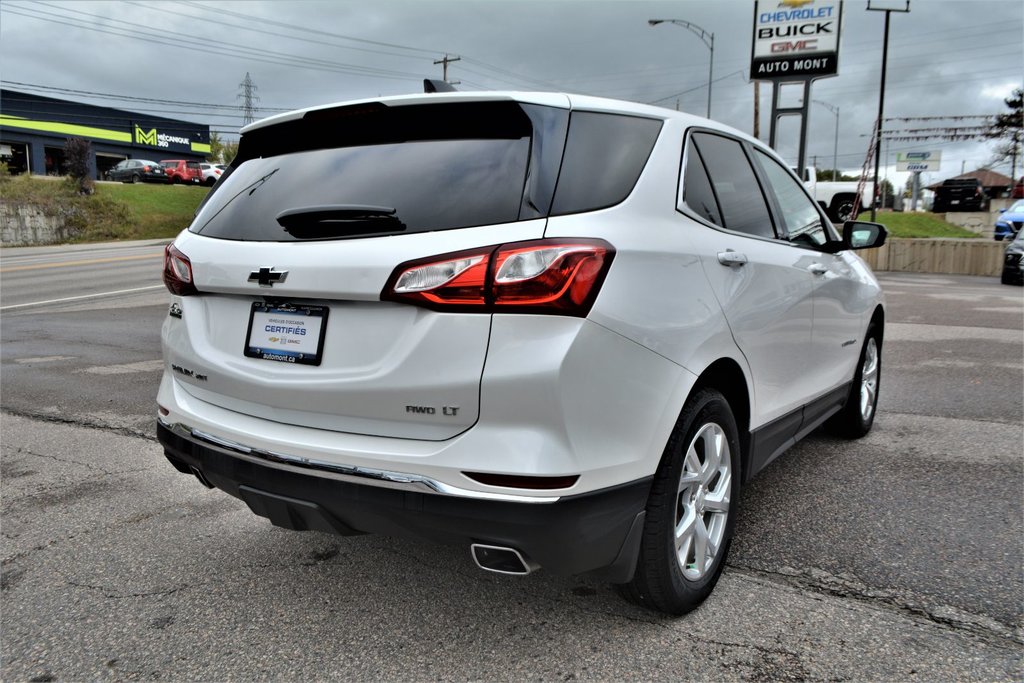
(896, 557)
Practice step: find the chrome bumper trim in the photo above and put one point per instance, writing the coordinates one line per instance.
(350, 473)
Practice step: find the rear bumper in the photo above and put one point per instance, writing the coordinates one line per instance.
(597, 532)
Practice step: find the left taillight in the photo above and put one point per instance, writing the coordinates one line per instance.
(541, 276)
(178, 272)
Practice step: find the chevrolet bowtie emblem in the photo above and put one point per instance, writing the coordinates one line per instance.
(266, 277)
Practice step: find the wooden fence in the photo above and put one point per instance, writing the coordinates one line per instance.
(934, 255)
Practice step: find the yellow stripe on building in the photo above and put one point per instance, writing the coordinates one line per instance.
(200, 148)
(65, 128)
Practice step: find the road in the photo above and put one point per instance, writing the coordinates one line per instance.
(898, 556)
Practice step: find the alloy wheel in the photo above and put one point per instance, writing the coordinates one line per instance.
(702, 501)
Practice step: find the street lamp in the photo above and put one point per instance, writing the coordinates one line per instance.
(835, 145)
(707, 38)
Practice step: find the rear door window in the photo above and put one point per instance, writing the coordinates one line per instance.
(735, 185)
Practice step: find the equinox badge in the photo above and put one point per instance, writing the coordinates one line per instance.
(268, 276)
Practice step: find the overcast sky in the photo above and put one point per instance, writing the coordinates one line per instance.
(946, 57)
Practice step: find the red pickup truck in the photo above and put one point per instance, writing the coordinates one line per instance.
(182, 171)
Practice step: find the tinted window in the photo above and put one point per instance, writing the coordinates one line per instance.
(604, 155)
(354, 172)
(739, 195)
(697, 192)
(802, 221)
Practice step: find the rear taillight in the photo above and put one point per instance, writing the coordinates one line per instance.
(542, 276)
(178, 272)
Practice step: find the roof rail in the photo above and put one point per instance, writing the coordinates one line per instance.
(433, 85)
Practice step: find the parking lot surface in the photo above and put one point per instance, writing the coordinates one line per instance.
(896, 557)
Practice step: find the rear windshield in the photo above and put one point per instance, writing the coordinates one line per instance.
(337, 175)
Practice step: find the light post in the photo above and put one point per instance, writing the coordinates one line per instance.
(887, 6)
(835, 145)
(707, 38)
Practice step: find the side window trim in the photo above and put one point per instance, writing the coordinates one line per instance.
(681, 206)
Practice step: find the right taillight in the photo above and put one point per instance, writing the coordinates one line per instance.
(178, 272)
(560, 276)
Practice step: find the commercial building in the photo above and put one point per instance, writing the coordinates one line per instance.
(33, 130)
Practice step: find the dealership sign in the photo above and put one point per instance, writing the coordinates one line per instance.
(918, 161)
(795, 39)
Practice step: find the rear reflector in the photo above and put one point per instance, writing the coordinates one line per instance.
(540, 276)
(517, 481)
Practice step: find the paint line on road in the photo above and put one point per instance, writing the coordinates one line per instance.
(82, 297)
(42, 359)
(84, 262)
(125, 368)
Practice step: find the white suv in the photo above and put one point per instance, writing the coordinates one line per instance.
(561, 331)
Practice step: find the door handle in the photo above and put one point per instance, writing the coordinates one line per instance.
(817, 268)
(731, 258)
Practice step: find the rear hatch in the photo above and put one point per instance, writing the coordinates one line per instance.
(292, 248)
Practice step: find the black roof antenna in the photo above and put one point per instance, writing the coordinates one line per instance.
(434, 85)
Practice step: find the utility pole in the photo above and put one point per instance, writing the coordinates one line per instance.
(249, 99)
(444, 68)
(881, 93)
(757, 109)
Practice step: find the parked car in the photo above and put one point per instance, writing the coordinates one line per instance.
(137, 170)
(1013, 266)
(837, 198)
(1018, 190)
(515, 323)
(1009, 222)
(183, 171)
(211, 172)
(960, 194)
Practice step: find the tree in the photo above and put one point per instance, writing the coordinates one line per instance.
(77, 153)
(1008, 128)
(228, 151)
(216, 147)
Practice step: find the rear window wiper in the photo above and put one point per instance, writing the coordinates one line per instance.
(339, 221)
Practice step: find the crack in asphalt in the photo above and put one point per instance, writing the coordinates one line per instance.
(825, 583)
(76, 421)
(113, 595)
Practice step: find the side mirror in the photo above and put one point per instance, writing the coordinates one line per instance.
(1002, 210)
(863, 235)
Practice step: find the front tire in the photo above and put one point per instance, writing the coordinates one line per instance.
(841, 209)
(691, 511)
(858, 415)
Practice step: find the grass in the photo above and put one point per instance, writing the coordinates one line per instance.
(156, 210)
(917, 225)
(113, 212)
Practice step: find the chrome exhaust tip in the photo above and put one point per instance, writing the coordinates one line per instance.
(501, 560)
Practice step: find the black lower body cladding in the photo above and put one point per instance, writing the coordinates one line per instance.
(597, 532)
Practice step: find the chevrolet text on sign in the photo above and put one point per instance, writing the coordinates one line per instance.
(795, 39)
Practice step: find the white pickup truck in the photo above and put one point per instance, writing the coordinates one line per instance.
(837, 197)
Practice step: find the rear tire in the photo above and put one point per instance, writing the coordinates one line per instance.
(858, 415)
(135, 178)
(691, 511)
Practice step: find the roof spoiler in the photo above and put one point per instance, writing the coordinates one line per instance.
(433, 85)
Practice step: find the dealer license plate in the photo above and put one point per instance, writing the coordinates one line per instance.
(289, 333)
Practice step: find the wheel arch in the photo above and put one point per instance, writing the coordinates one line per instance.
(878, 321)
(727, 377)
